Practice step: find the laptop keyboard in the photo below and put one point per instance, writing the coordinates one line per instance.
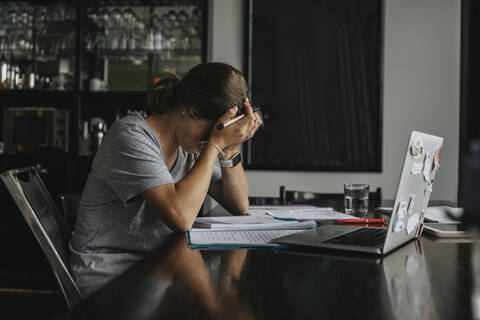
(367, 237)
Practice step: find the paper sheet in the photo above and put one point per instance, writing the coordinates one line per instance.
(438, 214)
(236, 220)
(264, 210)
(276, 225)
(310, 214)
(257, 237)
(433, 214)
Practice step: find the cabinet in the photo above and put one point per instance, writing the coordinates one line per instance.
(94, 59)
(120, 45)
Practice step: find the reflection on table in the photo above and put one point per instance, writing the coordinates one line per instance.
(173, 276)
(424, 279)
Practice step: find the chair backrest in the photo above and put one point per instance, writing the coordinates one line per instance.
(46, 223)
(70, 203)
(334, 200)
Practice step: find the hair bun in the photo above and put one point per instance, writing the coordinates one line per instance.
(160, 93)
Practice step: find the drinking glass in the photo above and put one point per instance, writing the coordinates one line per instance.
(356, 199)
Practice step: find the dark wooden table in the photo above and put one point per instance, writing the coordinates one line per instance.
(425, 279)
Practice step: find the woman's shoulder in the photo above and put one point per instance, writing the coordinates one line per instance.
(131, 124)
(129, 133)
(129, 138)
(132, 120)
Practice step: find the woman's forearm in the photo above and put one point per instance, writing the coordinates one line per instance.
(178, 204)
(234, 190)
(192, 189)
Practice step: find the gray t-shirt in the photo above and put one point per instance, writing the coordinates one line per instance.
(112, 216)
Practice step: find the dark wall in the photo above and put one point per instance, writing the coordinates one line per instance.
(315, 68)
(470, 94)
(470, 73)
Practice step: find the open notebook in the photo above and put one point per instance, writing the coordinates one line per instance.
(259, 227)
(242, 231)
(235, 238)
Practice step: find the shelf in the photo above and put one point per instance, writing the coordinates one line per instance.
(37, 98)
(40, 92)
(63, 54)
(112, 93)
(34, 92)
(65, 99)
(109, 97)
(165, 54)
(12, 97)
(37, 155)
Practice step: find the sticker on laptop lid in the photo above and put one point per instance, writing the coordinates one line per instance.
(420, 224)
(412, 223)
(416, 148)
(400, 216)
(417, 168)
(411, 204)
(436, 158)
(428, 187)
(427, 165)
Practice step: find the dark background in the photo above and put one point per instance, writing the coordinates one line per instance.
(315, 67)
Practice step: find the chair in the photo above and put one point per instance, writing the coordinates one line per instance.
(46, 222)
(70, 203)
(334, 200)
(264, 201)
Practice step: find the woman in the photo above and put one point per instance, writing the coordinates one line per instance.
(151, 175)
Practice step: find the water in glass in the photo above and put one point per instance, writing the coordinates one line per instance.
(356, 199)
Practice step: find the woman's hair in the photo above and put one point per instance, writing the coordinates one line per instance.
(208, 91)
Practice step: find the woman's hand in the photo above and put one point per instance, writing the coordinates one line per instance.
(230, 137)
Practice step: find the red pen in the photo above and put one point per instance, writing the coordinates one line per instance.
(382, 221)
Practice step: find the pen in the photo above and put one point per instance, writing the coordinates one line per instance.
(363, 220)
(229, 122)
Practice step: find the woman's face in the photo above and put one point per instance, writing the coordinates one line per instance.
(192, 131)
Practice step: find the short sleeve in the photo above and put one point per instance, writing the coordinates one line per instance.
(135, 164)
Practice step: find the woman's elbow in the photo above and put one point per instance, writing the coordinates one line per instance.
(181, 226)
(178, 223)
(242, 208)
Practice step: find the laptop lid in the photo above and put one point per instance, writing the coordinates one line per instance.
(414, 188)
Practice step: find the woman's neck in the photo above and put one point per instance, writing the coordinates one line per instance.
(163, 126)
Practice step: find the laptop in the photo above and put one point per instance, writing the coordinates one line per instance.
(406, 221)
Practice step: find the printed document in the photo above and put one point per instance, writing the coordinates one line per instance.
(249, 223)
(259, 238)
(300, 213)
(311, 214)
